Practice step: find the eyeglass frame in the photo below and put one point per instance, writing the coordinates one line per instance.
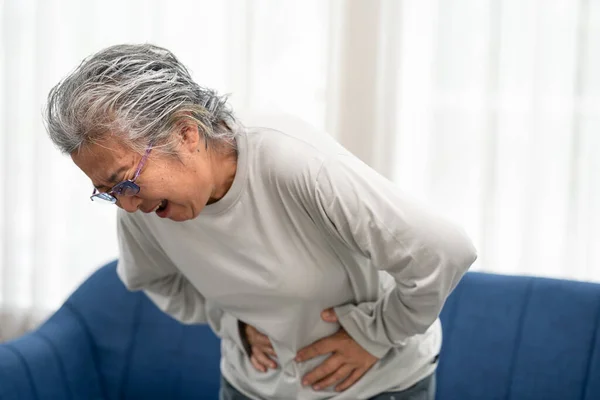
(119, 188)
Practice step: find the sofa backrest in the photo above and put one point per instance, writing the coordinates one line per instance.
(509, 337)
(140, 351)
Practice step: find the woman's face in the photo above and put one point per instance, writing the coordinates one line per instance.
(182, 184)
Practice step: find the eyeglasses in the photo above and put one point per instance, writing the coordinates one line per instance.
(124, 188)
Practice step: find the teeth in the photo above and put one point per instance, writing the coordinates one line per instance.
(161, 204)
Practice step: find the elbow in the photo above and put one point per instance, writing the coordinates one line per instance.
(459, 261)
(468, 257)
(130, 284)
(185, 317)
(182, 313)
(462, 253)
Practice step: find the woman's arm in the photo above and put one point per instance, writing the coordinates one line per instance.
(426, 254)
(143, 266)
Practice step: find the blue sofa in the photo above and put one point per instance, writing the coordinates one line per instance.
(505, 337)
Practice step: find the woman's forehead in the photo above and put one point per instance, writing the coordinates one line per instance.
(103, 161)
(103, 151)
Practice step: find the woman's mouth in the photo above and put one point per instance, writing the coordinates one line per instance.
(162, 209)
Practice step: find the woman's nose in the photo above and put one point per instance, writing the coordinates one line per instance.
(129, 203)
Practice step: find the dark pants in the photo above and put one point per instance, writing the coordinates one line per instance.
(422, 390)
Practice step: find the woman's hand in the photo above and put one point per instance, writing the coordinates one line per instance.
(262, 349)
(346, 365)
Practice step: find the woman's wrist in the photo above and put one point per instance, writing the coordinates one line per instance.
(244, 337)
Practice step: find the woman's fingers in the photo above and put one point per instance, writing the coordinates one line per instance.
(263, 358)
(262, 349)
(258, 366)
(256, 338)
(269, 350)
(349, 381)
(338, 376)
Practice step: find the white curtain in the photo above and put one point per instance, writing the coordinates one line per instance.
(486, 109)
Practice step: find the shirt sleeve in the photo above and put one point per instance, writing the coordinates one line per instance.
(426, 254)
(143, 266)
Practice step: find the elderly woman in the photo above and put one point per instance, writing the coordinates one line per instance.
(322, 278)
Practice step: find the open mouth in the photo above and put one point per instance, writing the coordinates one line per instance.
(162, 208)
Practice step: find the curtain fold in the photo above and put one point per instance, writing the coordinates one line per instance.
(486, 109)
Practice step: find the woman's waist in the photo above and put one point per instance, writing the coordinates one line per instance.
(398, 368)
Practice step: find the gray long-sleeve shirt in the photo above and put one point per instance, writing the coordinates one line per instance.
(305, 226)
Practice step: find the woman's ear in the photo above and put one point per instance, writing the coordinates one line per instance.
(190, 138)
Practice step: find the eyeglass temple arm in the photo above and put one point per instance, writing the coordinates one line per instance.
(142, 162)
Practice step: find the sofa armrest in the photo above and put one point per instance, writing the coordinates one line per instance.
(57, 360)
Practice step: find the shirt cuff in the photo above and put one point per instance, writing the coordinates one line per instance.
(231, 328)
(354, 322)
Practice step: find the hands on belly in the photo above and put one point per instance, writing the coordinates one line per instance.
(346, 365)
(262, 349)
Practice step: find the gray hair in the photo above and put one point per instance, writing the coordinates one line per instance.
(138, 92)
